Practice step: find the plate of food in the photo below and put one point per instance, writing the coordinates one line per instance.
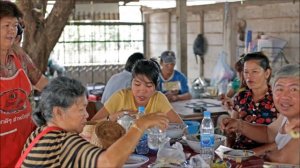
(238, 155)
(135, 161)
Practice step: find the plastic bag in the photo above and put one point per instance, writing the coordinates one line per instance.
(171, 154)
(222, 72)
(198, 161)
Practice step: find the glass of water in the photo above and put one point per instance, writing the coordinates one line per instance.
(155, 138)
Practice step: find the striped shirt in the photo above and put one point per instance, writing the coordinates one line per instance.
(60, 149)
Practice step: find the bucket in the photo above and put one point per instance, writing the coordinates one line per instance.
(193, 126)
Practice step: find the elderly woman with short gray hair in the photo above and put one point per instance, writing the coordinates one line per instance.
(60, 117)
(286, 96)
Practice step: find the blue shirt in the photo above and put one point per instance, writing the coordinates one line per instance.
(115, 83)
(177, 81)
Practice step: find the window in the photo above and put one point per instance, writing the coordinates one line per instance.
(98, 43)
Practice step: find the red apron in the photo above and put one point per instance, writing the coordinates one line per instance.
(15, 115)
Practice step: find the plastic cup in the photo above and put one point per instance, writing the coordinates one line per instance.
(193, 126)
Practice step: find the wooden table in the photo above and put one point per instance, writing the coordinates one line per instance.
(186, 111)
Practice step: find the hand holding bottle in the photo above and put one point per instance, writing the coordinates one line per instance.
(151, 120)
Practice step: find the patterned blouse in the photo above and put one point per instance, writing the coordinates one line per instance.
(261, 112)
(10, 69)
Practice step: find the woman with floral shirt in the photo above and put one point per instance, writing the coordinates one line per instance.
(255, 104)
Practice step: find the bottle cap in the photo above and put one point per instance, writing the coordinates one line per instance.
(141, 109)
(206, 114)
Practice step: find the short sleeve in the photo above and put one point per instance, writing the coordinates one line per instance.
(159, 103)
(120, 100)
(33, 73)
(184, 84)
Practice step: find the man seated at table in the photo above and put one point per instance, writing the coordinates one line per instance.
(286, 95)
(172, 82)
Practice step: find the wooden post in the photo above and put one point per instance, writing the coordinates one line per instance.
(230, 33)
(181, 36)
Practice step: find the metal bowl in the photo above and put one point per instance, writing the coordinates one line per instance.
(176, 130)
(194, 141)
(238, 155)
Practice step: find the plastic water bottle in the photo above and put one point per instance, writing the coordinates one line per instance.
(207, 139)
(142, 146)
(141, 111)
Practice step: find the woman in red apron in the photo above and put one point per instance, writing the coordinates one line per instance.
(17, 73)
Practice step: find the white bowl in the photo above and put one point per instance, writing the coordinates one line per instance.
(135, 161)
(194, 141)
(175, 130)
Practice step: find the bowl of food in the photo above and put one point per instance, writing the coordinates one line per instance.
(193, 141)
(176, 130)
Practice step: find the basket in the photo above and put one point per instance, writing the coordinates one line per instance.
(88, 129)
(106, 133)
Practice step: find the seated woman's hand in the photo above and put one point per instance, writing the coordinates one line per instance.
(230, 125)
(153, 119)
(115, 116)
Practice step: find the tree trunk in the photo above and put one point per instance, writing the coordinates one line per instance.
(41, 34)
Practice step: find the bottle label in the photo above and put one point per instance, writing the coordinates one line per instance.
(207, 140)
(142, 146)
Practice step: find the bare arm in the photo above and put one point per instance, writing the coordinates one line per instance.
(102, 114)
(185, 96)
(256, 132)
(261, 150)
(288, 154)
(172, 97)
(174, 117)
(43, 81)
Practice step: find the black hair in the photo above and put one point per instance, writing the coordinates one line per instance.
(9, 9)
(132, 60)
(261, 58)
(60, 92)
(258, 56)
(148, 68)
(20, 30)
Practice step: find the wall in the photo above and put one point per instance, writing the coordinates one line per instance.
(275, 18)
(89, 75)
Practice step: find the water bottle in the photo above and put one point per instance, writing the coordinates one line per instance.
(207, 139)
(141, 111)
(142, 146)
